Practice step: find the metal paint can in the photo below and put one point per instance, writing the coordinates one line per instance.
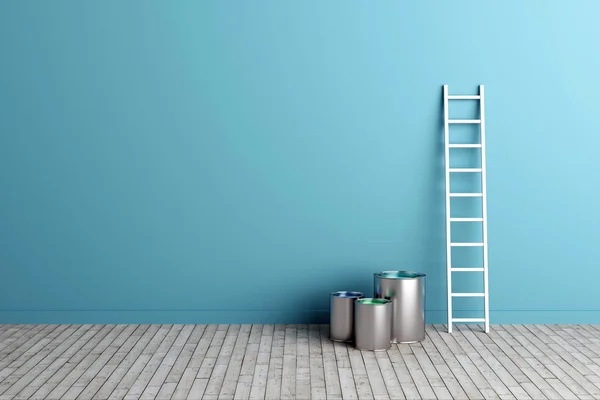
(341, 315)
(372, 324)
(406, 290)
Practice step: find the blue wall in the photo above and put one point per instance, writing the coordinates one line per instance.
(210, 161)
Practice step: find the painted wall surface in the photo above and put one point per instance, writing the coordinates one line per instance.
(211, 161)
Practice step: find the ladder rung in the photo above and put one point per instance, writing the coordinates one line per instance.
(468, 319)
(465, 169)
(466, 219)
(464, 97)
(466, 194)
(468, 294)
(464, 145)
(466, 269)
(464, 121)
(466, 244)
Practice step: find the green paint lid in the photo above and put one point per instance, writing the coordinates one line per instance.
(373, 302)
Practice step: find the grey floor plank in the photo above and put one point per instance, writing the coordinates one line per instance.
(21, 367)
(53, 361)
(7, 338)
(16, 340)
(166, 391)
(579, 357)
(7, 331)
(176, 373)
(554, 356)
(258, 383)
(202, 348)
(472, 362)
(71, 359)
(133, 371)
(219, 370)
(451, 371)
(561, 368)
(197, 389)
(124, 361)
(424, 386)
(184, 357)
(484, 346)
(561, 389)
(295, 362)
(56, 360)
(519, 383)
(347, 383)
(530, 353)
(390, 379)
(332, 379)
(243, 387)
(23, 345)
(376, 381)
(536, 385)
(288, 376)
(112, 364)
(303, 363)
(192, 369)
(317, 372)
(67, 388)
(588, 352)
(234, 380)
(167, 363)
(249, 354)
(435, 373)
(407, 384)
(30, 370)
(141, 383)
(12, 333)
(105, 354)
(36, 348)
(273, 388)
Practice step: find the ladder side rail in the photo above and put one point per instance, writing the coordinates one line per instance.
(448, 247)
(486, 298)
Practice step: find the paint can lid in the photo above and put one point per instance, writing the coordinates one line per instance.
(348, 294)
(399, 274)
(373, 302)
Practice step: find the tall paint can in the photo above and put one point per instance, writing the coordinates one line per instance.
(406, 290)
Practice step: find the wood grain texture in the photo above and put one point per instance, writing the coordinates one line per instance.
(295, 362)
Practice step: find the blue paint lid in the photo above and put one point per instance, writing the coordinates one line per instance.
(348, 294)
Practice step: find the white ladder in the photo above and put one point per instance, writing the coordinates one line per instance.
(450, 219)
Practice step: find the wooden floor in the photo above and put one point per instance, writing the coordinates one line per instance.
(295, 362)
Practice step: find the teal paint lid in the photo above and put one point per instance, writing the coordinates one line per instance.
(399, 274)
